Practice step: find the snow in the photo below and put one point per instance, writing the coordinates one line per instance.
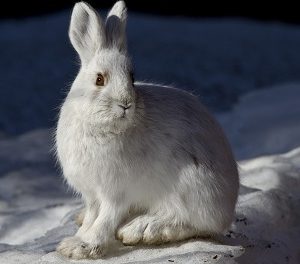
(36, 212)
(250, 69)
(264, 123)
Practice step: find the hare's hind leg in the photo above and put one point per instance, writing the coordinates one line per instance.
(151, 229)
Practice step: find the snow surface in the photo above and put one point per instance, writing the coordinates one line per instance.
(36, 212)
(217, 59)
(266, 122)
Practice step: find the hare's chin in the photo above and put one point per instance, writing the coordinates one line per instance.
(119, 125)
(121, 120)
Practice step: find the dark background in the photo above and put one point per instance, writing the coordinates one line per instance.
(264, 10)
(218, 51)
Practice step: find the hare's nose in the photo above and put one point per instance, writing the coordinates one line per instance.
(124, 106)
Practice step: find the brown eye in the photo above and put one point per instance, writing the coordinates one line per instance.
(100, 80)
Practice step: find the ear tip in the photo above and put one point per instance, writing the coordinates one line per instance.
(119, 9)
(121, 3)
(81, 6)
(120, 6)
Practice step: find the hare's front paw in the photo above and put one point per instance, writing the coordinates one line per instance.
(75, 248)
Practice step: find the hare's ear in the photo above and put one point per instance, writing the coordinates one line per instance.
(86, 32)
(116, 26)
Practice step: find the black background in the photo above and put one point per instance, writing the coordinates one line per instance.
(266, 11)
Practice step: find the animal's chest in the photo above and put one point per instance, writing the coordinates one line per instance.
(87, 161)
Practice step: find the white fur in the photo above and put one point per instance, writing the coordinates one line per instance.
(160, 171)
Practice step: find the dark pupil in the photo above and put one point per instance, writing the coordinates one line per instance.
(100, 80)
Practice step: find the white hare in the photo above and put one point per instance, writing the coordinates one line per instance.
(152, 165)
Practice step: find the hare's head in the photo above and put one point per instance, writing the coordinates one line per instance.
(103, 93)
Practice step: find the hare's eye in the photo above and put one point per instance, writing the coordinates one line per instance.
(100, 80)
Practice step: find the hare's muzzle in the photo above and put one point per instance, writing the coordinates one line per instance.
(124, 108)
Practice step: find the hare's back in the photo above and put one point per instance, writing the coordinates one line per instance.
(177, 108)
(185, 120)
